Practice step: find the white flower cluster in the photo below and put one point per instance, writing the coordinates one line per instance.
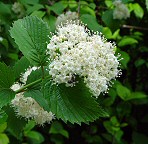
(76, 51)
(61, 19)
(120, 11)
(27, 107)
(18, 9)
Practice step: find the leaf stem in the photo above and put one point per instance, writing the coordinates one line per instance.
(43, 74)
(29, 85)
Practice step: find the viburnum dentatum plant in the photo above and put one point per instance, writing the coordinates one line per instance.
(61, 75)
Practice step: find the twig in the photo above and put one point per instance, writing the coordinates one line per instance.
(134, 27)
(79, 5)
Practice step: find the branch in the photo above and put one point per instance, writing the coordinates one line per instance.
(79, 5)
(134, 27)
(29, 85)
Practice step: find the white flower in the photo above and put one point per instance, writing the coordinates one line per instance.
(18, 9)
(27, 107)
(1, 39)
(61, 19)
(75, 51)
(120, 11)
(25, 75)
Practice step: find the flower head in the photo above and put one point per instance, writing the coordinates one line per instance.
(63, 18)
(27, 107)
(120, 11)
(76, 51)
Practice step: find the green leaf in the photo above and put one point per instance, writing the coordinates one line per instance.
(58, 8)
(38, 97)
(127, 41)
(39, 13)
(29, 126)
(139, 62)
(138, 10)
(57, 128)
(107, 18)
(4, 139)
(35, 136)
(126, 59)
(123, 92)
(139, 138)
(73, 104)
(85, 9)
(20, 67)
(92, 5)
(91, 22)
(35, 75)
(118, 135)
(34, 8)
(146, 3)
(15, 130)
(107, 32)
(6, 96)
(29, 2)
(136, 95)
(6, 81)
(108, 3)
(3, 127)
(31, 35)
(6, 76)
(3, 117)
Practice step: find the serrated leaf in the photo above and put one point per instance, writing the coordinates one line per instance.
(91, 22)
(5, 97)
(38, 97)
(6, 81)
(21, 66)
(31, 35)
(35, 75)
(127, 41)
(73, 104)
(6, 76)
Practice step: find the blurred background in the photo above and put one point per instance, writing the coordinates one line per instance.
(123, 22)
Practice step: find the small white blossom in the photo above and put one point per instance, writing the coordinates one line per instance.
(75, 51)
(25, 75)
(18, 9)
(120, 11)
(61, 19)
(27, 107)
(1, 39)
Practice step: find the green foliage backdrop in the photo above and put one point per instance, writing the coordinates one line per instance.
(127, 100)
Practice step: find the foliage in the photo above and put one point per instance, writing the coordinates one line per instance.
(126, 102)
